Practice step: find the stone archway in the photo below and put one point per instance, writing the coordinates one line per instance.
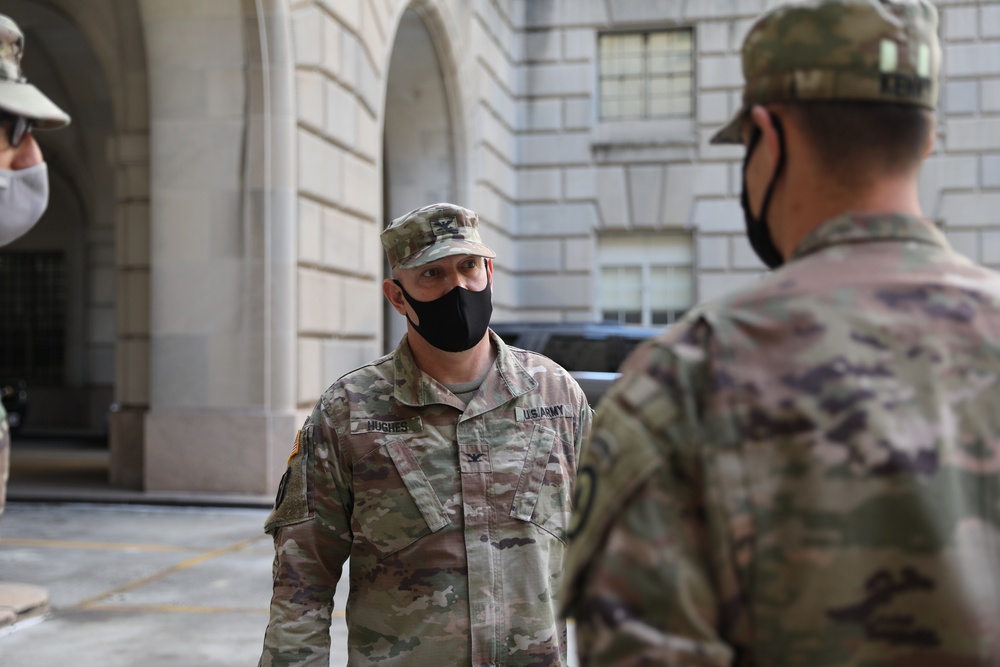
(91, 61)
(420, 164)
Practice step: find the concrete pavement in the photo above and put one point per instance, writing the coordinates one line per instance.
(137, 585)
(131, 578)
(131, 585)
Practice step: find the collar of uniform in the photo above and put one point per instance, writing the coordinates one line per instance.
(413, 387)
(868, 227)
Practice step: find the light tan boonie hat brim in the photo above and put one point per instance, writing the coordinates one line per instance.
(24, 99)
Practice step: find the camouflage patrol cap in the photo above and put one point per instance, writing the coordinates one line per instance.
(17, 96)
(430, 233)
(879, 51)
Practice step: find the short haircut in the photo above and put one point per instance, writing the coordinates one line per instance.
(859, 140)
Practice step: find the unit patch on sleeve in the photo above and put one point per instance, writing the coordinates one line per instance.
(397, 427)
(543, 412)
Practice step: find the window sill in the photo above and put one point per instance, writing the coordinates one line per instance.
(671, 140)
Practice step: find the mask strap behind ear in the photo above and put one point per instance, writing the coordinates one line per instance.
(780, 130)
(758, 230)
(755, 136)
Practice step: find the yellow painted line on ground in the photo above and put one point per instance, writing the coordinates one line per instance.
(174, 608)
(185, 609)
(105, 546)
(183, 565)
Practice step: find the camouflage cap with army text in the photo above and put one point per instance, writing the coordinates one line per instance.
(878, 51)
(17, 96)
(433, 232)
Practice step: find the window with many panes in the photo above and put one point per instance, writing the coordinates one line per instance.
(646, 75)
(33, 316)
(645, 278)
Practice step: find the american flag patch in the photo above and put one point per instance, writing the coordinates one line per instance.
(295, 447)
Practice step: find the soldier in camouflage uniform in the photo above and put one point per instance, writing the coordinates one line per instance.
(24, 191)
(442, 471)
(807, 473)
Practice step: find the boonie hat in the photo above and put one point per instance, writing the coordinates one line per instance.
(881, 51)
(428, 234)
(17, 96)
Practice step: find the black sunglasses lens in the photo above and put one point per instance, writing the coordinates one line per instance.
(20, 128)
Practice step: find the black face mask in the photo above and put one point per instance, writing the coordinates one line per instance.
(758, 231)
(454, 322)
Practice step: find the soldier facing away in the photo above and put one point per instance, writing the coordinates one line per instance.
(807, 472)
(24, 182)
(442, 470)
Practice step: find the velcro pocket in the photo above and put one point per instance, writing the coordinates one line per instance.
(395, 504)
(543, 490)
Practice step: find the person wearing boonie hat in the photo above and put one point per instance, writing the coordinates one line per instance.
(803, 473)
(24, 184)
(24, 196)
(442, 471)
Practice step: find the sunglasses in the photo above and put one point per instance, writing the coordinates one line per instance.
(19, 127)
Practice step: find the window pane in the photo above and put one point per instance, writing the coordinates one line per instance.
(630, 89)
(669, 63)
(670, 40)
(630, 108)
(667, 316)
(653, 72)
(621, 288)
(676, 86)
(670, 288)
(610, 109)
(621, 76)
(669, 106)
(662, 259)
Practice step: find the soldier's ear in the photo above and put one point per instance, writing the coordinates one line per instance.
(931, 133)
(394, 294)
(770, 141)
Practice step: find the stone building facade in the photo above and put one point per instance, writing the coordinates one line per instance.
(218, 198)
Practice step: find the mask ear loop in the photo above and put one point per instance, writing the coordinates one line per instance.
(759, 233)
(777, 171)
(744, 196)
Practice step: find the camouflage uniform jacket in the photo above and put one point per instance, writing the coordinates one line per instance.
(454, 518)
(805, 473)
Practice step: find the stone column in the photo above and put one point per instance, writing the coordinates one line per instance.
(222, 264)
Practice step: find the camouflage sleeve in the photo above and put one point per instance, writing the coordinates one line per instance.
(312, 540)
(643, 579)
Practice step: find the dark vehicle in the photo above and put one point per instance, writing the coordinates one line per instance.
(591, 352)
(14, 392)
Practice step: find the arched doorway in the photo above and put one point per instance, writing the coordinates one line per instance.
(419, 165)
(88, 256)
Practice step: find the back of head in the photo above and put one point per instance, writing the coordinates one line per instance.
(17, 96)
(870, 52)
